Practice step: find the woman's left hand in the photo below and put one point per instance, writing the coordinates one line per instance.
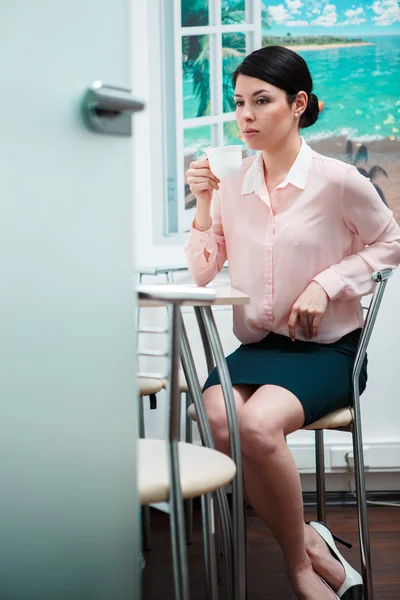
(308, 310)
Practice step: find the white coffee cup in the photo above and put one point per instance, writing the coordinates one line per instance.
(225, 160)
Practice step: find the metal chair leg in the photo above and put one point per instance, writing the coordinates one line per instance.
(177, 520)
(245, 506)
(178, 541)
(320, 474)
(206, 438)
(239, 567)
(210, 557)
(188, 504)
(362, 511)
(145, 510)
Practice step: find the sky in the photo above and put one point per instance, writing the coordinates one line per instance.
(336, 17)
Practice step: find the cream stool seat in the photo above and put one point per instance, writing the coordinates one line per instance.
(183, 386)
(202, 470)
(148, 386)
(338, 419)
(342, 419)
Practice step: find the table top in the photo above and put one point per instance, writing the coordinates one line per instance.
(225, 296)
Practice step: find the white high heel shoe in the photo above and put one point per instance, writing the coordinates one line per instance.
(352, 588)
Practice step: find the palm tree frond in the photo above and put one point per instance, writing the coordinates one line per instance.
(362, 154)
(377, 170)
(265, 18)
(349, 151)
(194, 13)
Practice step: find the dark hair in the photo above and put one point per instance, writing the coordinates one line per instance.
(286, 70)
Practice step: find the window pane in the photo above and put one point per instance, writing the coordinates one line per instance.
(233, 11)
(195, 141)
(196, 76)
(233, 53)
(194, 13)
(231, 134)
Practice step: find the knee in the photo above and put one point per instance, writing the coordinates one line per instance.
(259, 437)
(215, 409)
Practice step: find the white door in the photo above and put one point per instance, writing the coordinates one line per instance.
(68, 500)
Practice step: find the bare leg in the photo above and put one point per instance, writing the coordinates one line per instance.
(215, 408)
(322, 561)
(273, 483)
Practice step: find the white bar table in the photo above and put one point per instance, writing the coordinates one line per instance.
(233, 536)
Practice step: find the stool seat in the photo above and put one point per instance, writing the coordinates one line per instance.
(202, 470)
(148, 386)
(183, 386)
(338, 419)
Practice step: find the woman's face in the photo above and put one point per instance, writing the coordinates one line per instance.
(263, 114)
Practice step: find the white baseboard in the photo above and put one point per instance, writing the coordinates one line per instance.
(379, 457)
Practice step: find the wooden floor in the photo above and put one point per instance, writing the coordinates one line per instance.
(265, 576)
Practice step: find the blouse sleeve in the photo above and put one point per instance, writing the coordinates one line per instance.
(367, 216)
(202, 269)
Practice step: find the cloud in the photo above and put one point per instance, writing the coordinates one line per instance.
(298, 23)
(279, 14)
(328, 17)
(294, 6)
(387, 11)
(355, 16)
(313, 12)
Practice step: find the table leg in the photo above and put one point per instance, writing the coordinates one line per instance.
(210, 366)
(192, 379)
(205, 341)
(239, 566)
(210, 555)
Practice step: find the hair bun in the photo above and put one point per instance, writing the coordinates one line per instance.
(311, 113)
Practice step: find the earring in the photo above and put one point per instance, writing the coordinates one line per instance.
(296, 114)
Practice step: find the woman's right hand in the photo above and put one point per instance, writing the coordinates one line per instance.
(201, 180)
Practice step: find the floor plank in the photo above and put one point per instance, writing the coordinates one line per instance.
(265, 574)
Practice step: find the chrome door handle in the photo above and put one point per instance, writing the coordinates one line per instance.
(108, 109)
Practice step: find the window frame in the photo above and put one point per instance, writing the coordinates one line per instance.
(168, 124)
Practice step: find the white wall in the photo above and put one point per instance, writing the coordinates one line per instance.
(380, 402)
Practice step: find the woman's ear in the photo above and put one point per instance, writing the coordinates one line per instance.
(300, 104)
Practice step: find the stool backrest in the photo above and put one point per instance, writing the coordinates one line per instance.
(380, 278)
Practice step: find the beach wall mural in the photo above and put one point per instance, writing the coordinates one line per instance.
(353, 51)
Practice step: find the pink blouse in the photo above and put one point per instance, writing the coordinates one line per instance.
(325, 222)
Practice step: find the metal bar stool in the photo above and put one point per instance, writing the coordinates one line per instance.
(170, 470)
(349, 419)
(147, 387)
(169, 272)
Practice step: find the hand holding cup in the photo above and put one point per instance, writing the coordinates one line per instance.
(201, 180)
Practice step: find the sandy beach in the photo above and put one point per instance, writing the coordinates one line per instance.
(328, 46)
(384, 153)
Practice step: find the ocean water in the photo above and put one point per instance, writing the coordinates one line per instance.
(359, 85)
(360, 88)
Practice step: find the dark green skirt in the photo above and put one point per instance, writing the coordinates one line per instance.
(319, 375)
